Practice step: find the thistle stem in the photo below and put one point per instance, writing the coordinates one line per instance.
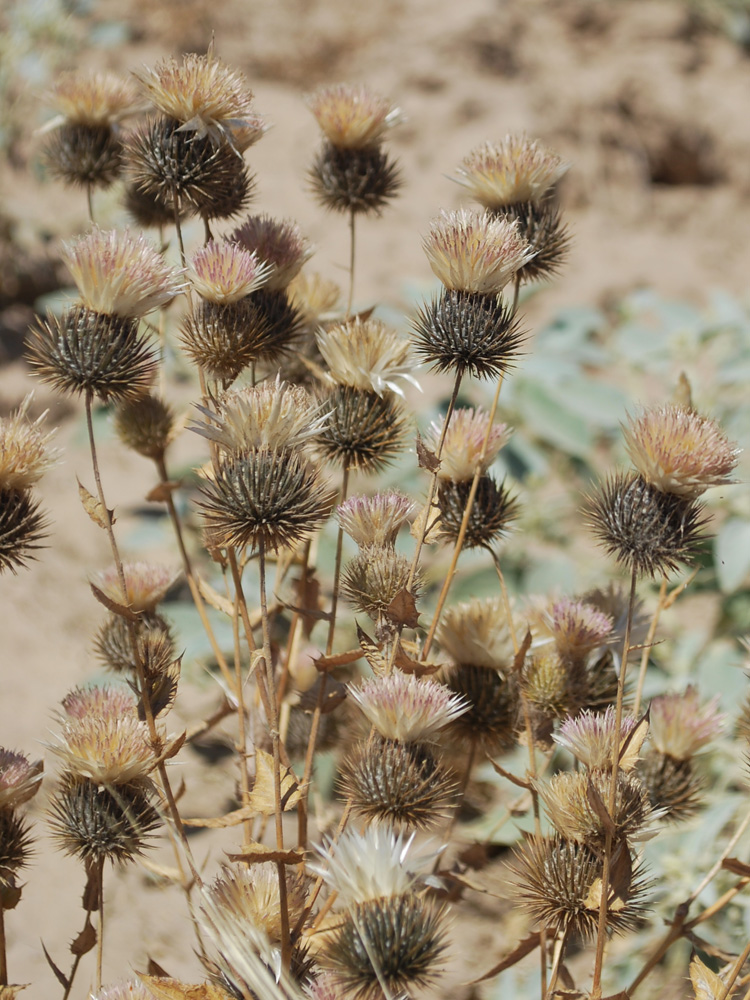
(241, 745)
(647, 646)
(352, 244)
(100, 935)
(3, 949)
(90, 202)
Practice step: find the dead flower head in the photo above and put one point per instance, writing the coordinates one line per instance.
(476, 633)
(108, 750)
(146, 584)
(91, 98)
(25, 449)
(278, 242)
(464, 444)
(19, 779)
(367, 355)
(223, 272)
(513, 171)
(402, 707)
(102, 702)
(251, 897)
(590, 737)
(575, 627)
(353, 117)
(681, 725)
(374, 520)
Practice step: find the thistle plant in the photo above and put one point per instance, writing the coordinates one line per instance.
(344, 644)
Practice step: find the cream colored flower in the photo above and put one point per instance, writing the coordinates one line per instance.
(510, 172)
(403, 707)
(224, 272)
(25, 452)
(369, 355)
(463, 446)
(353, 117)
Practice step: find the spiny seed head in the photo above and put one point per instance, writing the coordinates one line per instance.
(84, 155)
(101, 702)
(251, 896)
(278, 242)
(353, 117)
(681, 725)
(149, 210)
(268, 415)
(25, 449)
(146, 425)
(575, 627)
(673, 786)
(22, 528)
(84, 351)
(94, 821)
(476, 633)
(206, 96)
(493, 707)
(374, 520)
(546, 683)
(463, 333)
(510, 172)
(355, 181)
(120, 274)
(464, 444)
(679, 451)
(367, 355)
(590, 737)
(392, 942)
(372, 865)
(282, 322)
(400, 784)
(223, 272)
(19, 779)
(402, 707)
(146, 584)
(83, 97)
(114, 646)
(225, 339)
(492, 513)
(559, 881)
(264, 497)
(472, 251)
(568, 800)
(164, 161)
(364, 431)
(542, 227)
(646, 530)
(15, 847)
(109, 750)
(374, 578)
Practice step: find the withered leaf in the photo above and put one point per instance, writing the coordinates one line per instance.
(163, 871)
(117, 609)
(408, 665)
(174, 989)
(520, 951)
(154, 969)
(254, 854)
(9, 992)
(85, 941)
(508, 776)
(736, 866)
(630, 748)
(262, 799)
(520, 657)
(214, 598)
(597, 804)
(403, 609)
(98, 513)
(307, 596)
(59, 974)
(10, 896)
(162, 491)
(233, 818)
(426, 458)
(326, 663)
(706, 984)
(371, 650)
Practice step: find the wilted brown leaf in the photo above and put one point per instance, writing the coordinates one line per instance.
(173, 989)
(262, 799)
(85, 941)
(408, 665)
(706, 984)
(162, 492)
(233, 818)
(520, 951)
(117, 609)
(253, 853)
(326, 663)
(426, 458)
(98, 513)
(403, 609)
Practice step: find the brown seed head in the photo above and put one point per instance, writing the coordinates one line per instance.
(364, 431)
(314, 296)
(515, 170)
(681, 725)
(492, 513)
(673, 786)
(278, 242)
(374, 578)
(353, 117)
(354, 181)
(374, 520)
(542, 226)
(464, 444)
(114, 646)
(493, 707)
(569, 805)
(19, 779)
(15, 848)
(146, 425)
(224, 272)
(225, 339)
(22, 528)
(84, 155)
(367, 355)
(25, 449)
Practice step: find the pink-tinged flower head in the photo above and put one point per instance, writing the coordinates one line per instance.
(368, 355)
(225, 273)
(120, 274)
(464, 443)
(109, 750)
(472, 251)
(19, 778)
(91, 98)
(402, 707)
(279, 242)
(510, 172)
(102, 702)
(679, 451)
(25, 452)
(577, 628)
(353, 117)
(590, 737)
(681, 726)
(374, 520)
(146, 584)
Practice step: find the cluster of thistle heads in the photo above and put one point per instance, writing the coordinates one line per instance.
(292, 387)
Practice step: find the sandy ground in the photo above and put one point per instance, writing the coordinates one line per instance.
(647, 104)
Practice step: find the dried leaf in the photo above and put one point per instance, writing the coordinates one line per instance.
(736, 866)
(630, 748)
(162, 492)
(426, 525)
(510, 777)
(307, 595)
(520, 951)
(85, 941)
(98, 513)
(597, 804)
(426, 458)
(215, 599)
(90, 896)
(520, 657)
(10, 896)
(9, 992)
(254, 854)
(163, 871)
(174, 989)
(326, 663)
(408, 665)
(154, 969)
(319, 616)
(117, 609)
(706, 984)
(59, 974)
(163, 691)
(262, 799)
(172, 749)
(233, 818)
(403, 609)
(371, 650)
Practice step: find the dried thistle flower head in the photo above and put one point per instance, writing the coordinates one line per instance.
(120, 274)
(25, 449)
(19, 779)
(679, 451)
(251, 896)
(15, 851)
(515, 170)
(374, 864)
(223, 272)
(476, 633)
(681, 725)
(673, 786)
(22, 528)
(401, 784)
(129, 990)
(146, 584)
(272, 414)
(367, 355)
(493, 707)
(374, 520)
(206, 96)
(354, 181)
(108, 750)
(95, 821)
(472, 251)
(278, 242)
(225, 339)
(646, 530)
(353, 117)
(83, 97)
(114, 645)
(547, 685)
(314, 296)
(542, 225)
(102, 702)
(264, 497)
(402, 707)
(492, 513)
(575, 627)
(146, 425)
(464, 333)
(374, 578)
(568, 800)
(464, 443)
(364, 431)
(590, 737)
